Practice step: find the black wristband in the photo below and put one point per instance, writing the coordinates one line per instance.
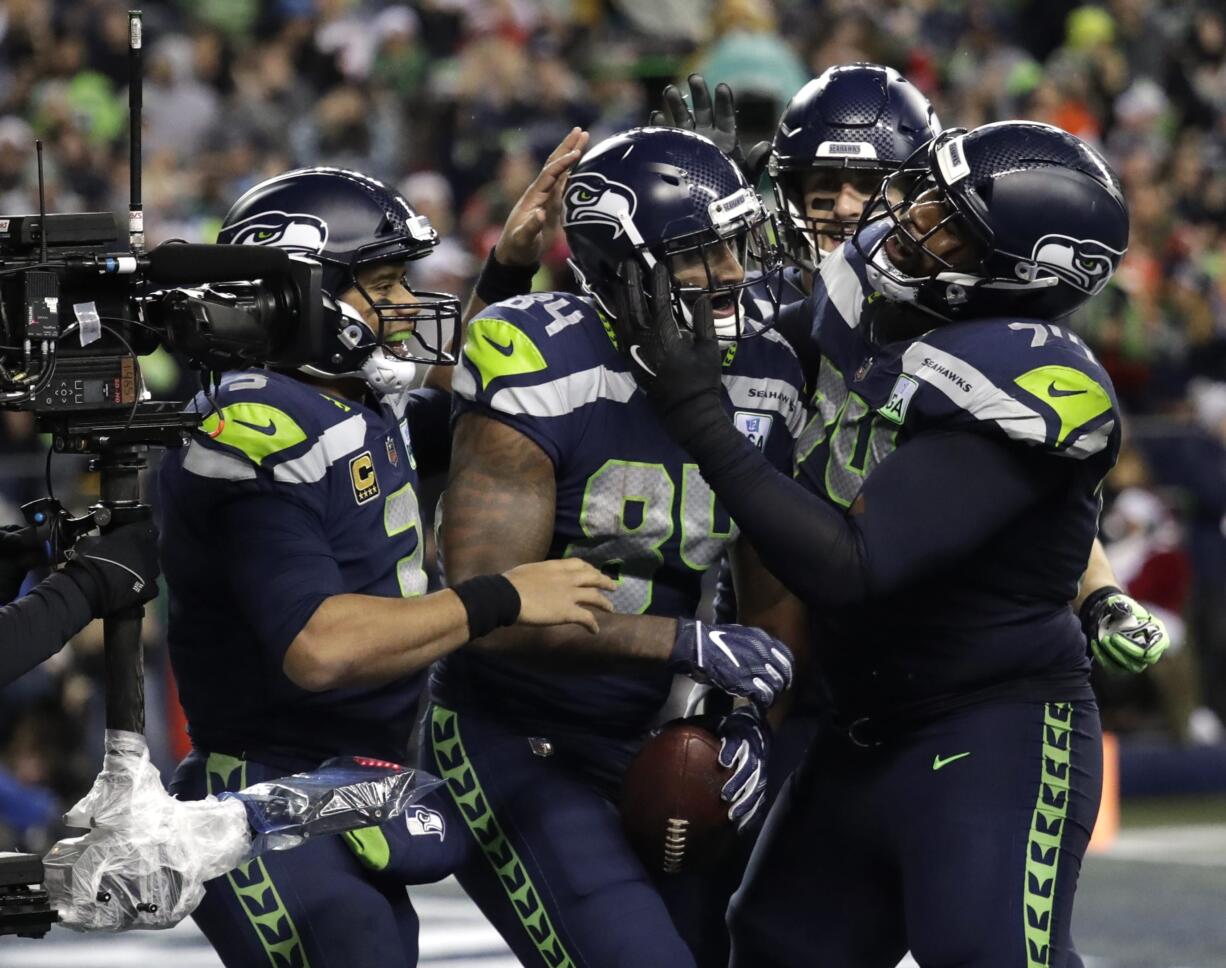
(491, 602)
(1087, 612)
(498, 282)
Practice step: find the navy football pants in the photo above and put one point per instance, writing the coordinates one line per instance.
(554, 872)
(318, 905)
(961, 841)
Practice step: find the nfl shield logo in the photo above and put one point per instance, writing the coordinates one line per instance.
(755, 426)
(393, 455)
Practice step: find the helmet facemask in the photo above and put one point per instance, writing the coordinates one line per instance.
(802, 231)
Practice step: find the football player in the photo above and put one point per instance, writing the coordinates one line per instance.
(292, 547)
(837, 140)
(946, 500)
(557, 455)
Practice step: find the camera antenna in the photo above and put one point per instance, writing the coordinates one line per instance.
(136, 80)
(42, 205)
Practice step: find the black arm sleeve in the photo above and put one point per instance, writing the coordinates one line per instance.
(429, 416)
(915, 513)
(36, 627)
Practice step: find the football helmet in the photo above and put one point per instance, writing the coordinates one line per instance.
(1041, 215)
(856, 122)
(667, 194)
(347, 220)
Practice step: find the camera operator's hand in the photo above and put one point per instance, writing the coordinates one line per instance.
(20, 550)
(116, 570)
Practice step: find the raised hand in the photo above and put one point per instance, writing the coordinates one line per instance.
(715, 120)
(560, 591)
(524, 233)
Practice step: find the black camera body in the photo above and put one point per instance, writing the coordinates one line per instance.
(25, 909)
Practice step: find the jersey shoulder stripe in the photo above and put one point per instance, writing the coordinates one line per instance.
(261, 419)
(1036, 382)
(541, 355)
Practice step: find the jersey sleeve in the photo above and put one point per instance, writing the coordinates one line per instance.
(1024, 381)
(531, 363)
(259, 463)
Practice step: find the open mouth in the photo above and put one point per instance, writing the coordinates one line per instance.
(903, 253)
(723, 305)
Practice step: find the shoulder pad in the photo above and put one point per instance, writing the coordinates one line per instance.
(544, 355)
(273, 421)
(1031, 381)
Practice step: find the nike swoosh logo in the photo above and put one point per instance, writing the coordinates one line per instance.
(718, 639)
(634, 352)
(506, 350)
(1053, 392)
(268, 429)
(937, 762)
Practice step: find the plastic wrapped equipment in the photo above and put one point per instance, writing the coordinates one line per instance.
(146, 855)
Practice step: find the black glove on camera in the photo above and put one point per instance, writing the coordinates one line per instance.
(116, 570)
(20, 550)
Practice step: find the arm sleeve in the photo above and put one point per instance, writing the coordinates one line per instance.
(282, 567)
(916, 511)
(36, 627)
(429, 414)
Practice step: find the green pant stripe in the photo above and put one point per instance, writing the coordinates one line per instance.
(1046, 830)
(257, 894)
(465, 789)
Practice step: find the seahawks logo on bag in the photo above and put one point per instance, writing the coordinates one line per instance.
(590, 197)
(422, 821)
(1084, 264)
(293, 231)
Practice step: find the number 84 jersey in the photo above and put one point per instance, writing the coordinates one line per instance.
(629, 500)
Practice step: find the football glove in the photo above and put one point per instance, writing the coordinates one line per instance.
(1123, 635)
(740, 660)
(714, 121)
(745, 745)
(20, 550)
(117, 570)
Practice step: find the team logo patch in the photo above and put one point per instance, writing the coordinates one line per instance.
(1084, 264)
(755, 426)
(362, 475)
(393, 455)
(422, 822)
(895, 408)
(592, 198)
(292, 231)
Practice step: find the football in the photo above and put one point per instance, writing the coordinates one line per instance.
(670, 803)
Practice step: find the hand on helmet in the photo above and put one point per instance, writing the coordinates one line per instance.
(716, 121)
(536, 213)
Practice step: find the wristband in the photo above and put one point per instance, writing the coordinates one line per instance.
(498, 282)
(491, 602)
(1089, 622)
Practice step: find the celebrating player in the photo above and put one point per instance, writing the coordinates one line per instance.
(299, 627)
(557, 455)
(946, 503)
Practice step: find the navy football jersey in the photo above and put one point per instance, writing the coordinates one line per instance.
(629, 500)
(1000, 614)
(284, 497)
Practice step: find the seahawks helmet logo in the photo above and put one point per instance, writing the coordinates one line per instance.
(1085, 264)
(293, 231)
(423, 821)
(592, 198)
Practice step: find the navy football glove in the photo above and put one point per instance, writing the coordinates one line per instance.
(1123, 635)
(744, 749)
(738, 659)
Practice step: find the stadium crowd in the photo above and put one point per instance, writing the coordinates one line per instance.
(458, 102)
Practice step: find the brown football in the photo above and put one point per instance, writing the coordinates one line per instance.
(670, 802)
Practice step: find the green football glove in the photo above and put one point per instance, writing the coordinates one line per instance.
(1123, 635)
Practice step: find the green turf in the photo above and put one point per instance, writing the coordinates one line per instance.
(1160, 811)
